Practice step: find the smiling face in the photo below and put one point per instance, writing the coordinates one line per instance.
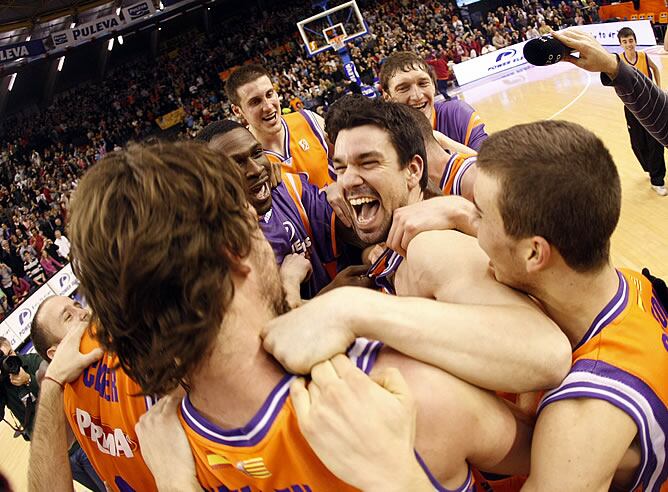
(414, 88)
(259, 105)
(629, 44)
(240, 146)
(373, 181)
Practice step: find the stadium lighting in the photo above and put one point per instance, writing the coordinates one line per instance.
(120, 40)
(110, 46)
(61, 62)
(11, 82)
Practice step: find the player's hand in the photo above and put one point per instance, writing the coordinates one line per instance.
(164, 446)
(338, 202)
(275, 176)
(294, 270)
(372, 253)
(363, 431)
(440, 213)
(352, 276)
(20, 379)
(452, 146)
(68, 363)
(593, 56)
(312, 333)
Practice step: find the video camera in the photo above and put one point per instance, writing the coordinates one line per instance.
(9, 364)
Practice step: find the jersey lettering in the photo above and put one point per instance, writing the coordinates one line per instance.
(109, 441)
(103, 380)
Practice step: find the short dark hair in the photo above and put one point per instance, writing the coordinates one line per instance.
(625, 32)
(41, 338)
(399, 120)
(242, 76)
(402, 61)
(558, 181)
(216, 128)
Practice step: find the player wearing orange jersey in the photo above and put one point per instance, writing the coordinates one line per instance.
(604, 427)
(182, 297)
(297, 141)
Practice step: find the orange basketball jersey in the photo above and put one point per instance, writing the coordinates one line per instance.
(269, 453)
(305, 148)
(641, 64)
(102, 416)
(623, 359)
(451, 180)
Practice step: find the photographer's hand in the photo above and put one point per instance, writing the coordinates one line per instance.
(20, 379)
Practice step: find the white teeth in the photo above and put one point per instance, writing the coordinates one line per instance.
(361, 201)
(263, 192)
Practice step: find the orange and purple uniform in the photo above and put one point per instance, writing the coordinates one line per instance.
(305, 148)
(623, 360)
(453, 174)
(102, 413)
(269, 453)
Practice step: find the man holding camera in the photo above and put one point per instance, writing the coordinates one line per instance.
(18, 387)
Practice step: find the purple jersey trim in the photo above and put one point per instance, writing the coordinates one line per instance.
(447, 171)
(467, 486)
(286, 144)
(385, 266)
(253, 432)
(457, 185)
(603, 381)
(613, 309)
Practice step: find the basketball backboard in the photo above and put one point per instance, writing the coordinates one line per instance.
(332, 27)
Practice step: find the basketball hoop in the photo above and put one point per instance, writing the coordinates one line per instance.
(337, 42)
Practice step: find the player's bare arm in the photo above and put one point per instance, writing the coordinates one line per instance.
(582, 445)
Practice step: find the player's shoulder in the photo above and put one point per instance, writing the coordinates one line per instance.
(430, 245)
(453, 106)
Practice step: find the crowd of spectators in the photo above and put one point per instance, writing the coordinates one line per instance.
(42, 156)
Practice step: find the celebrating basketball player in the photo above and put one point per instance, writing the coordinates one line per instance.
(408, 79)
(604, 426)
(296, 141)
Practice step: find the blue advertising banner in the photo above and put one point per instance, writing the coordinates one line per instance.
(12, 52)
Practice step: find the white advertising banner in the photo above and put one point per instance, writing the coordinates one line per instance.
(85, 32)
(606, 33)
(512, 56)
(64, 282)
(138, 10)
(19, 321)
(8, 333)
(490, 64)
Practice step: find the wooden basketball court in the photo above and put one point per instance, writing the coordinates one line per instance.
(529, 94)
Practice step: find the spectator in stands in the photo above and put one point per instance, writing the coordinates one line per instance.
(49, 264)
(63, 245)
(4, 304)
(440, 66)
(26, 248)
(21, 289)
(6, 283)
(34, 269)
(37, 240)
(11, 259)
(544, 28)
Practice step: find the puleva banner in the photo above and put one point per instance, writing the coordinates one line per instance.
(12, 52)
